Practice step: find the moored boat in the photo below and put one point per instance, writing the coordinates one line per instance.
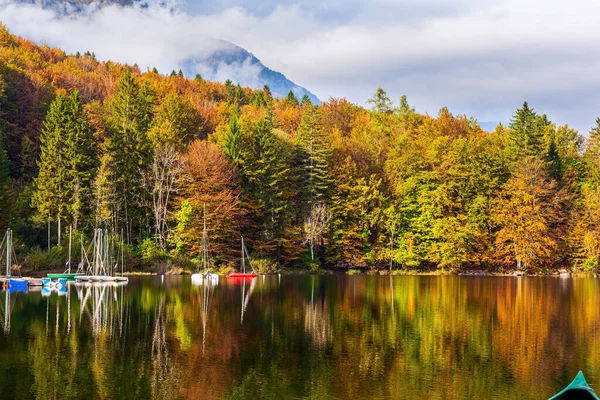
(199, 277)
(18, 283)
(243, 274)
(67, 276)
(578, 389)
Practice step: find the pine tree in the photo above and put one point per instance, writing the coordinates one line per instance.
(291, 99)
(525, 135)
(313, 152)
(67, 163)
(553, 161)
(381, 102)
(129, 152)
(266, 177)
(81, 160)
(306, 100)
(258, 99)
(592, 153)
(52, 188)
(231, 146)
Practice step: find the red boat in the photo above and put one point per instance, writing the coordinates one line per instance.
(241, 276)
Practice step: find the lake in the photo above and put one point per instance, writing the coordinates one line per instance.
(347, 337)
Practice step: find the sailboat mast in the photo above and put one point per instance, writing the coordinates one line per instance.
(204, 256)
(243, 257)
(70, 232)
(122, 252)
(8, 250)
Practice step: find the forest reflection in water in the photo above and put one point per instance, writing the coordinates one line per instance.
(302, 336)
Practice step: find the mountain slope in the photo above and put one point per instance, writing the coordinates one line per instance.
(233, 62)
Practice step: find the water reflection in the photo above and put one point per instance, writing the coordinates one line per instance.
(309, 336)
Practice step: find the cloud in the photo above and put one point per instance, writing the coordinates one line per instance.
(478, 57)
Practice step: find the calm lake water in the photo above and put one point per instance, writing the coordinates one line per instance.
(349, 337)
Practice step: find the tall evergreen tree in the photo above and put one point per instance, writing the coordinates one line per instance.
(231, 146)
(306, 100)
(313, 152)
(67, 163)
(266, 176)
(526, 134)
(592, 153)
(292, 99)
(129, 152)
(381, 102)
(51, 196)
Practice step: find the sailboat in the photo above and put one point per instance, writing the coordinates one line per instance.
(67, 274)
(197, 278)
(243, 273)
(101, 267)
(6, 246)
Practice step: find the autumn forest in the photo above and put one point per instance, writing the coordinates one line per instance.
(148, 154)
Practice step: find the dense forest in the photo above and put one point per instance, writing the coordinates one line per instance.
(89, 144)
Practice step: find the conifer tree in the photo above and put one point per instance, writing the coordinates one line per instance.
(592, 153)
(292, 99)
(380, 102)
(306, 100)
(313, 152)
(129, 152)
(266, 177)
(554, 161)
(67, 163)
(81, 160)
(52, 188)
(231, 147)
(525, 135)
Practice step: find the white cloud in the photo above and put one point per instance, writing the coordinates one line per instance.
(478, 57)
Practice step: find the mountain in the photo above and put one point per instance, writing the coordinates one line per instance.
(225, 61)
(229, 61)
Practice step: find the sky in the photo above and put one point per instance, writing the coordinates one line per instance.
(481, 58)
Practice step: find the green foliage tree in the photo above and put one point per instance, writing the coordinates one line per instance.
(306, 101)
(129, 152)
(291, 99)
(231, 145)
(380, 102)
(266, 174)
(67, 163)
(525, 138)
(313, 152)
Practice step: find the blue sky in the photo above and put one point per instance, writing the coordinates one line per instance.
(482, 58)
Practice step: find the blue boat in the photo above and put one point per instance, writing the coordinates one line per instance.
(18, 283)
(578, 389)
(62, 282)
(47, 281)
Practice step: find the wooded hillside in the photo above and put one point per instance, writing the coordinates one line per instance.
(100, 144)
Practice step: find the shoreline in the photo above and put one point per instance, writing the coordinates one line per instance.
(354, 272)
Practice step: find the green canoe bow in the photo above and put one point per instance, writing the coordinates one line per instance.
(70, 277)
(578, 389)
